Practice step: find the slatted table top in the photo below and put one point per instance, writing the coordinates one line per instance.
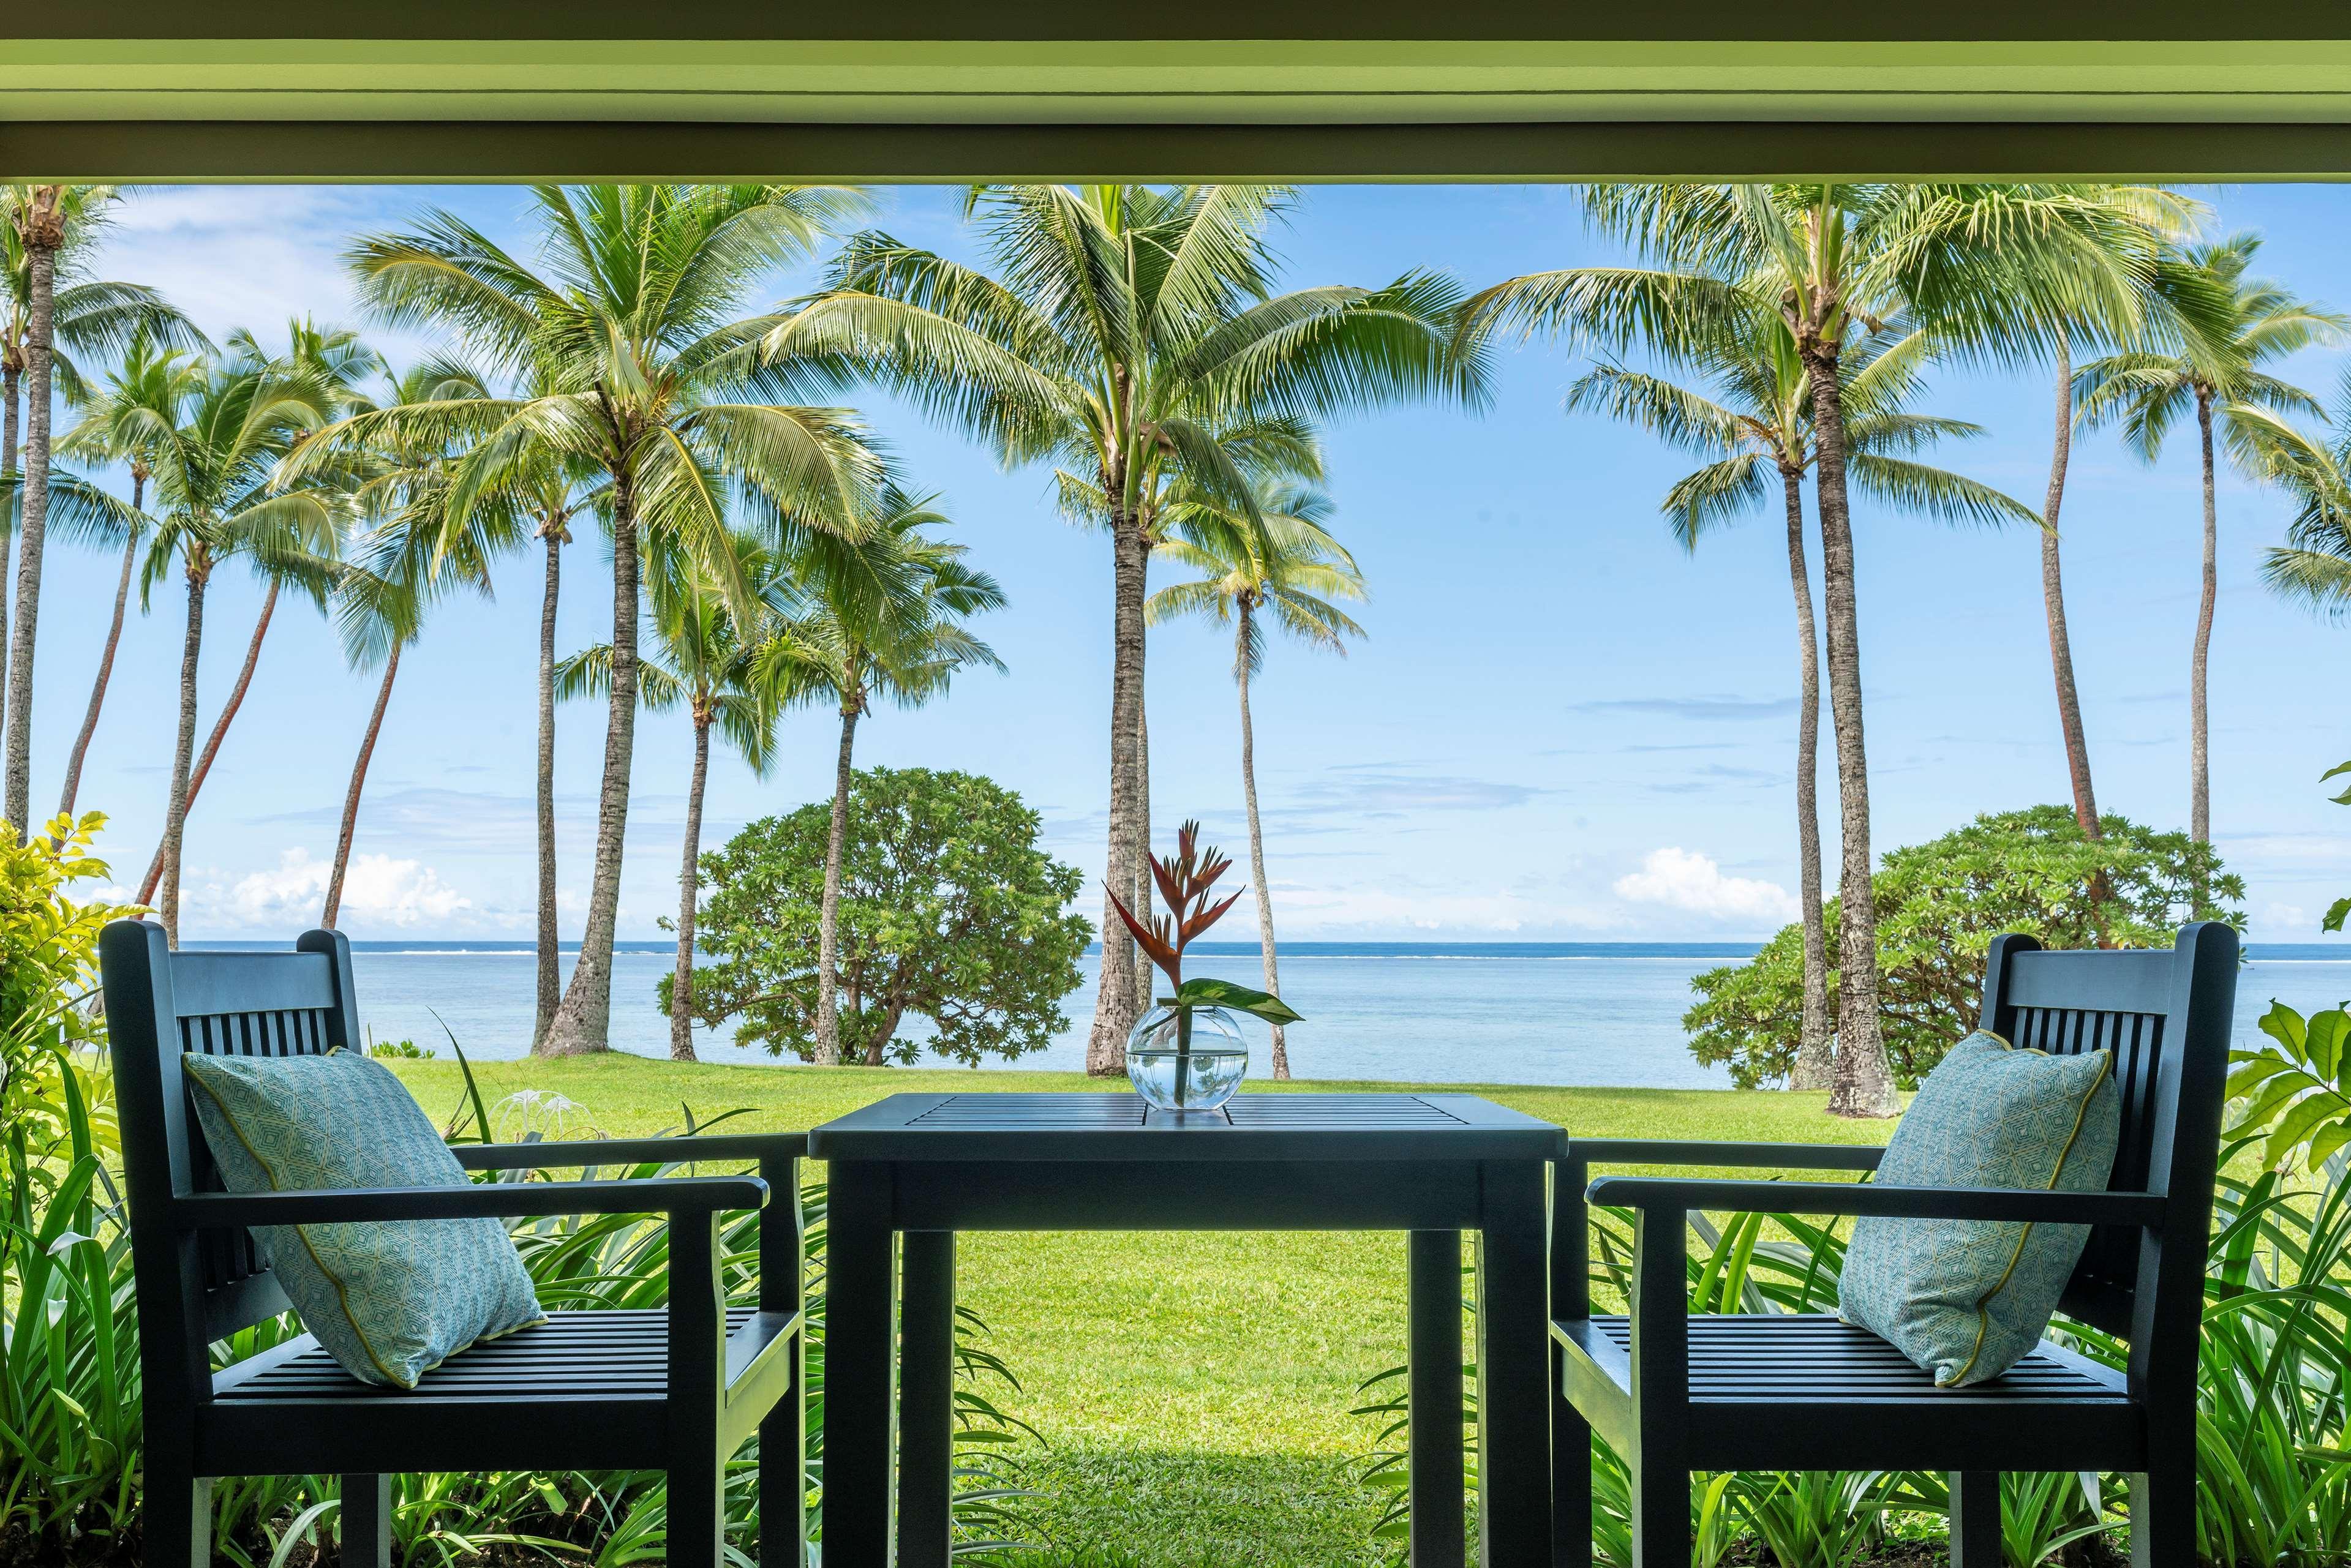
(1119, 1126)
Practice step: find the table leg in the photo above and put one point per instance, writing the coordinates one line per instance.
(926, 1401)
(1513, 1372)
(860, 1409)
(1433, 1399)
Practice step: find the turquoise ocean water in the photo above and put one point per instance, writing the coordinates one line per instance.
(1570, 1013)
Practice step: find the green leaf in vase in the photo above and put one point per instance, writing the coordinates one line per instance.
(1208, 993)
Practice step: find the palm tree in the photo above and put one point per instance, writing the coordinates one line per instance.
(217, 445)
(405, 563)
(1754, 422)
(884, 618)
(710, 663)
(2313, 568)
(44, 226)
(549, 488)
(332, 362)
(1285, 567)
(113, 428)
(646, 374)
(2215, 374)
(1129, 333)
(1984, 269)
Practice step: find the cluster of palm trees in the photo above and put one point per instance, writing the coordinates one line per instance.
(1134, 340)
(1784, 330)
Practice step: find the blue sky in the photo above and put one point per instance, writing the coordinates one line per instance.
(1561, 726)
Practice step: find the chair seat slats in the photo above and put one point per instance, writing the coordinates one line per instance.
(599, 1355)
(1740, 1358)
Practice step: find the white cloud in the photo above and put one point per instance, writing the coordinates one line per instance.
(378, 891)
(1684, 879)
(1423, 916)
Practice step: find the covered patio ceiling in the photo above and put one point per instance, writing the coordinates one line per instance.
(1334, 89)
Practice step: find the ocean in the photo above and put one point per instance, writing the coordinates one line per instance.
(1599, 1013)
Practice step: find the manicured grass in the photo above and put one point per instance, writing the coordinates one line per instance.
(1194, 1389)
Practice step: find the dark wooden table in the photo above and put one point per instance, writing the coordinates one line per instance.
(1433, 1166)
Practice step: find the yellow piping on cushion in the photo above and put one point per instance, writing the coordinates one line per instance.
(1983, 1303)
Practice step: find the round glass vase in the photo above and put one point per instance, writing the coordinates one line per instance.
(1185, 1059)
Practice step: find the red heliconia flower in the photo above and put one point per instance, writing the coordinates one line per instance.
(1185, 880)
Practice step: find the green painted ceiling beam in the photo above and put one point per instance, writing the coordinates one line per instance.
(1050, 89)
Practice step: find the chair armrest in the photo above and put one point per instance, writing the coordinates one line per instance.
(493, 1200)
(542, 1156)
(1757, 1156)
(1881, 1201)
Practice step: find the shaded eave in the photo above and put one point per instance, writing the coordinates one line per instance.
(453, 89)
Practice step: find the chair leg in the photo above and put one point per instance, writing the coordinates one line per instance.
(366, 1529)
(176, 1516)
(697, 1514)
(1661, 1515)
(1975, 1519)
(1571, 1475)
(2163, 1516)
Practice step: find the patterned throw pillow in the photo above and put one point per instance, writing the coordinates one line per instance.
(1967, 1298)
(389, 1300)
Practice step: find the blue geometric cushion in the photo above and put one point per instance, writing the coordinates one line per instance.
(389, 1300)
(1967, 1298)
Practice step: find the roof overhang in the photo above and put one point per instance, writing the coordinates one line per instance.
(1051, 89)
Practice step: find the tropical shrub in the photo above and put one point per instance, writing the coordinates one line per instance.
(49, 959)
(1940, 904)
(948, 910)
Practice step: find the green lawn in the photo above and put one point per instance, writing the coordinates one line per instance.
(1194, 1389)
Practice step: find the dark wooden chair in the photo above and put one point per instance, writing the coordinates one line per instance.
(676, 1390)
(1672, 1393)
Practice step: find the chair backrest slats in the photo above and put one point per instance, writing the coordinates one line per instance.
(194, 1288)
(2163, 1017)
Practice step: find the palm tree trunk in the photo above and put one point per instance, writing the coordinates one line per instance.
(583, 1019)
(2053, 597)
(12, 386)
(220, 731)
(41, 243)
(689, 893)
(175, 813)
(1141, 902)
(105, 660)
(1116, 1003)
(2199, 783)
(1257, 839)
(551, 974)
(1865, 1082)
(828, 929)
(1816, 1064)
(351, 795)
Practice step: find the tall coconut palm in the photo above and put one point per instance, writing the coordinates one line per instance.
(1127, 332)
(646, 373)
(1753, 419)
(709, 663)
(332, 362)
(217, 447)
(48, 305)
(883, 618)
(1285, 568)
(112, 430)
(2313, 568)
(1984, 269)
(405, 563)
(549, 489)
(2216, 374)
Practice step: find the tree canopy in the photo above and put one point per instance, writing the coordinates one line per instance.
(948, 911)
(1940, 904)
